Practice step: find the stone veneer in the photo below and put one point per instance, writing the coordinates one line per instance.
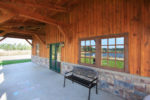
(130, 87)
(40, 61)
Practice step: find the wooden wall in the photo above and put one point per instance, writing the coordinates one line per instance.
(101, 17)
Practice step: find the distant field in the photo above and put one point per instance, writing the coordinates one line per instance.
(14, 52)
(6, 62)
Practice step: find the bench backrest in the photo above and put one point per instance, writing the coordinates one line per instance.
(86, 72)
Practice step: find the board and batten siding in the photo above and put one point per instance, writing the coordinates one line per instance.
(103, 17)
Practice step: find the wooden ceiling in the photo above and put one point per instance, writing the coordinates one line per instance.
(27, 18)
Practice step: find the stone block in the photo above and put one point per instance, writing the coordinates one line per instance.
(103, 84)
(145, 81)
(140, 87)
(141, 94)
(148, 88)
(123, 84)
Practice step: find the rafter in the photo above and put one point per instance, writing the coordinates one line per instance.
(50, 7)
(4, 33)
(5, 15)
(37, 36)
(61, 30)
(25, 32)
(29, 42)
(8, 30)
(2, 39)
(31, 14)
(65, 30)
(20, 24)
(14, 35)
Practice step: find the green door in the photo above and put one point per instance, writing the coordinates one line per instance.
(55, 55)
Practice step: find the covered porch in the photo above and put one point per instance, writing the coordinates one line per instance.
(109, 36)
(34, 82)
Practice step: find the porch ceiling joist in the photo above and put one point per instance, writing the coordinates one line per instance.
(20, 24)
(2, 39)
(29, 13)
(27, 32)
(8, 30)
(29, 42)
(37, 36)
(4, 33)
(50, 7)
(5, 15)
(33, 14)
(12, 35)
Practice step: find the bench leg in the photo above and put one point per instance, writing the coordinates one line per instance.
(89, 93)
(64, 81)
(96, 89)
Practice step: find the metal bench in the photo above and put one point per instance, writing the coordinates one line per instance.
(84, 76)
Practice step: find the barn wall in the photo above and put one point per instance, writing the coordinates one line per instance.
(101, 17)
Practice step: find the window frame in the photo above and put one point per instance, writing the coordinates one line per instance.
(98, 51)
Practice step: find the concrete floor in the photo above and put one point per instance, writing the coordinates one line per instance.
(28, 81)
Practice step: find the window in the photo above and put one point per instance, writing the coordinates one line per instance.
(88, 51)
(109, 52)
(37, 49)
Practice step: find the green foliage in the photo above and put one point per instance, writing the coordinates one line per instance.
(6, 62)
(15, 46)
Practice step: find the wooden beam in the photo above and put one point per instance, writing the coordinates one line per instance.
(2, 39)
(66, 31)
(8, 30)
(5, 15)
(13, 35)
(37, 36)
(32, 15)
(29, 13)
(20, 24)
(29, 42)
(50, 7)
(4, 33)
(26, 32)
(62, 30)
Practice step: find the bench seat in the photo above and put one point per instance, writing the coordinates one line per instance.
(81, 81)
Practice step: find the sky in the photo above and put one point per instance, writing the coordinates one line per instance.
(14, 40)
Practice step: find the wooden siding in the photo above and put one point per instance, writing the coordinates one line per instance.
(101, 17)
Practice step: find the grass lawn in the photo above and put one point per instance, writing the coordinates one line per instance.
(6, 62)
(110, 63)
